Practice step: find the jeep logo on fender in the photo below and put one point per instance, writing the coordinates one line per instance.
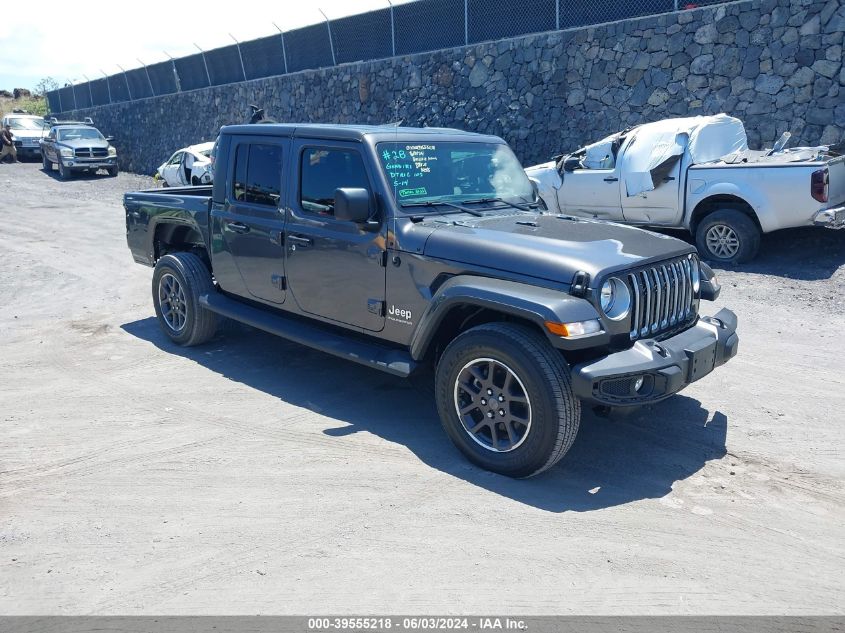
(399, 314)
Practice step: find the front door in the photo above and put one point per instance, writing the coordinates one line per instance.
(251, 220)
(170, 173)
(591, 192)
(335, 268)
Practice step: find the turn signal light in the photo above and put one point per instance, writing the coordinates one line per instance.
(579, 328)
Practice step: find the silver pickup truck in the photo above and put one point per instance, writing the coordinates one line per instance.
(698, 174)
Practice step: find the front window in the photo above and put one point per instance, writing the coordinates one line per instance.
(323, 171)
(453, 171)
(77, 133)
(27, 123)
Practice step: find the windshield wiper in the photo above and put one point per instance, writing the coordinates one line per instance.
(432, 203)
(488, 200)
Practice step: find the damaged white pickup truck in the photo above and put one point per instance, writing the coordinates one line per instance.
(698, 174)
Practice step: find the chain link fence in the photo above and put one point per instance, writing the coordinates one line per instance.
(415, 27)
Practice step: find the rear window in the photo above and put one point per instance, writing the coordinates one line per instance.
(258, 174)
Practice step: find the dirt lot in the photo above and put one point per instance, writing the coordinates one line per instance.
(254, 476)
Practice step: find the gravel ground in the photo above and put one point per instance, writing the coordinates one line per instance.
(255, 476)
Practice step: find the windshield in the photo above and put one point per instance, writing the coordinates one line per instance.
(453, 171)
(76, 133)
(28, 124)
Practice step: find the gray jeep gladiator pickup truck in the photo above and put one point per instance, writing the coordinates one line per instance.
(402, 248)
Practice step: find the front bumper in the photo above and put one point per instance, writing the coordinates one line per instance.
(833, 218)
(653, 370)
(28, 148)
(90, 163)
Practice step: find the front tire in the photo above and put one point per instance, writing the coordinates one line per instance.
(46, 163)
(505, 399)
(178, 282)
(112, 171)
(728, 236)
(64, 172)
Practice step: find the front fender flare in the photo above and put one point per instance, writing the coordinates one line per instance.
(533, 303)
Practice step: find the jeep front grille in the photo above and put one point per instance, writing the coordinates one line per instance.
(92, 152)
(663, 297)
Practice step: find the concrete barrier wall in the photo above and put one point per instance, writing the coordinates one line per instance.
(776, 64)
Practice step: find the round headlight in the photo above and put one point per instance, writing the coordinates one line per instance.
(615, 298)
(696, 274)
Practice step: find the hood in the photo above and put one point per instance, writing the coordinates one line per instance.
(22, 134)
(550, 247)
(85, 142)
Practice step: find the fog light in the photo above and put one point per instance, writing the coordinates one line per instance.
(638, 383)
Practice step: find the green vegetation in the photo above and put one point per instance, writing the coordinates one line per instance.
(33, 105)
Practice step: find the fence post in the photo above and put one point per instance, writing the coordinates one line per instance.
(284, 54)
(149, 81)
(108, 84)
(557, 14)
(676, 5)
(59, 93)
(331, 42)
(73, 92)
(466, 22)
(392, 30)
(126, 79)
(241, 57)
(175, 72)
(90, 94)
(204, 63)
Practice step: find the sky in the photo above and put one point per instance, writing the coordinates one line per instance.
(52, 39)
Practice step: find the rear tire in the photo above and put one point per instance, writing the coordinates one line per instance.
(178, 282)
(505, 399)
(728, 236)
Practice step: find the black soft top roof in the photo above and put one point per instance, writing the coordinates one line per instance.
(358, 132)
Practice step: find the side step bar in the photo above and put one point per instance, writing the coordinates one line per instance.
(392, 361)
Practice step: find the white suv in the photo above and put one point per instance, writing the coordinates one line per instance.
(28, 130)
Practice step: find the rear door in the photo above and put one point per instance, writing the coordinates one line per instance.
(335, 268)
(662, 205)
(251, 220)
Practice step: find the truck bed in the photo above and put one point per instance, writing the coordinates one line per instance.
(186, 206)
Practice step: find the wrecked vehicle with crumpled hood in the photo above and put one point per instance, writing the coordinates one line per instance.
(698, 174)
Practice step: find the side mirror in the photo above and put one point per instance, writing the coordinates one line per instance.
(109, 139)
(352, 204)
(571, 163)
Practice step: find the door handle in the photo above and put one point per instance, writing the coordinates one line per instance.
(611, 179)
(302, 241)
(238, 227)
(668, 178)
